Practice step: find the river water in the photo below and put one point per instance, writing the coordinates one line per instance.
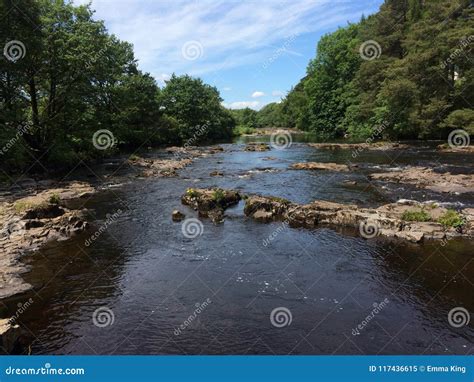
(163, 293)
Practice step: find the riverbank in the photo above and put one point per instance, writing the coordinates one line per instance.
(321, 190)
(34, 213)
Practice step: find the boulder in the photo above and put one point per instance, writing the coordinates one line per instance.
(211, 202)
(48, 211)
(424, 177)
(257, 147)
(177, 216)
(9, 335)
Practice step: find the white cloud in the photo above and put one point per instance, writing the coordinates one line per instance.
(231, 33)
(277, 93)
(243, 104)
(227, 89)
(257, 94)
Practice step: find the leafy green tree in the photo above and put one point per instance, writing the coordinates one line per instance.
(197, 109)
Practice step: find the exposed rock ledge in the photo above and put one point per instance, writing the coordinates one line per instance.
(167, 167)
(386, 220)
(456, 149)
(9, 334)
(28, 223)
(210, 202)
(424, 177)
(366, 146)
(320, 166)
(257, 147)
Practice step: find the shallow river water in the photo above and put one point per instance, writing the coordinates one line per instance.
(160, 292)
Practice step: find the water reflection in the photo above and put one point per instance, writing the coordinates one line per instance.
(152, 277)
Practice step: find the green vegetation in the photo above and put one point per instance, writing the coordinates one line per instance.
(191, 192)
(413, 86)
(451, 218)
(218, 195)
(241, 130)
(280, 200)
(24, 205)
(75, 79)
(54, 199)
(133, 158)
(416, 216)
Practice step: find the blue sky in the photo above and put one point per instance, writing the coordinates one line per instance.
(252, 51)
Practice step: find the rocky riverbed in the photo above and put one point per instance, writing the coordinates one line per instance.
(430, 179)
(300, 227)
(394, 220)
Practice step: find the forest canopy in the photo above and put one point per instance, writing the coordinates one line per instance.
(408, 68)
(403, 73)
(63, 77)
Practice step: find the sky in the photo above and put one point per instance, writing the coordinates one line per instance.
(252, 51)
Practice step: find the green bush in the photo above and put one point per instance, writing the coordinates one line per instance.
(241, 130)
(218, 195)
(451, 218)
(416, 216)
(54, 199)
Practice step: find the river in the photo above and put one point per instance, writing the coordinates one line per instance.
(147, 279)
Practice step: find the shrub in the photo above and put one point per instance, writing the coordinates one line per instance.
(451, 218)
(192, 193)
(416, 216)
(54, 199)
(218, 195)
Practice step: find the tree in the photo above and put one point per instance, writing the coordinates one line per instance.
(197, 109)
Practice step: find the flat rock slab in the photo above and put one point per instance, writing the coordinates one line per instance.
(257, 147)
(424, 177)
(453, 149)
(380, 146)
(320, 166)
(382, 221)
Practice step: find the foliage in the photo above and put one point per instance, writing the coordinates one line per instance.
(451, 218)
(418, 87)
(55, 199)
(192, 193)
(241, 130)
(75, 79)
(416, 216)
(218, 195)
(197, 109)
(245, 117)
